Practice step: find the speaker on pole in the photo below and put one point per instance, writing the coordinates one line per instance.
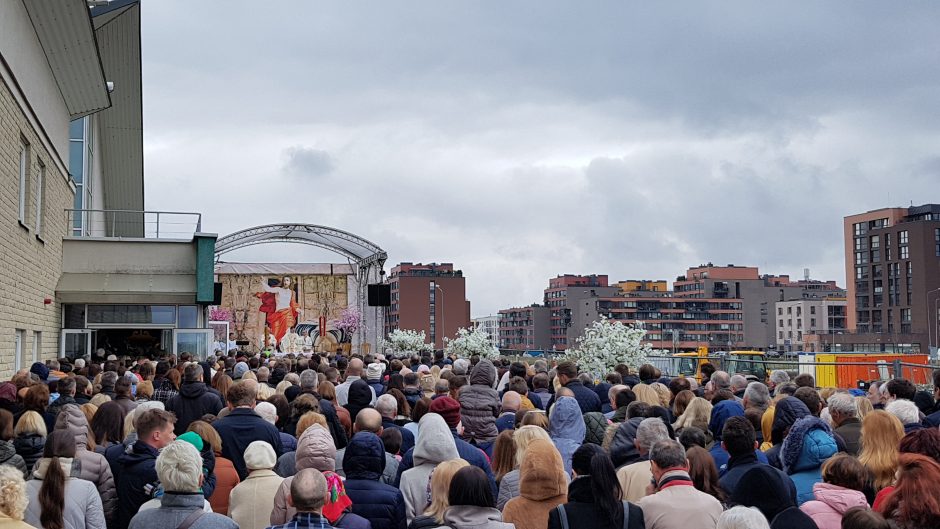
(380, 295)
(217, 294)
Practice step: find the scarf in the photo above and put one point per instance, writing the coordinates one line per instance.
(338, 501)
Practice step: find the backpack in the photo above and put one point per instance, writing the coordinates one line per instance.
(563, 517)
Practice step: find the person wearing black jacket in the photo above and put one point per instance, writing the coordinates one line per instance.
(740, 440)
(135, 474)
(242, 426)
(594, 496)
(364, 463)
(194, 399)
(567, 373)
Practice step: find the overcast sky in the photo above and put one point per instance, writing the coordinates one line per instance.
(521, 140)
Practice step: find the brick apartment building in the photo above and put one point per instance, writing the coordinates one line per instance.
(525, 328)
(798, 319)
(565, 292)
(428, 297)
(892, 263)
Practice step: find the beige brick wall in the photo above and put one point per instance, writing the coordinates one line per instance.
(29, 268)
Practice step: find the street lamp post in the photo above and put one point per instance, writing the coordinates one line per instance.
(930, 328)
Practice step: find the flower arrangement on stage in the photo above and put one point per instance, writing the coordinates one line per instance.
(607, 343)
(217, 313)
(403, 341)
(350, 320)
(471, 342)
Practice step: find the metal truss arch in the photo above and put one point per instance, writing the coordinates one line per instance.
(356, 249)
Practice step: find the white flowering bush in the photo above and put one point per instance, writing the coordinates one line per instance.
(606, 343)
(471, 342)
(404, 341)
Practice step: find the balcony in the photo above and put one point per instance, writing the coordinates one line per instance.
(119, 223)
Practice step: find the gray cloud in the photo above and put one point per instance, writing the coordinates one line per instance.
(525, 140)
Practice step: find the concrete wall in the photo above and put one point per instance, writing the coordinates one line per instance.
(117, 256)
(29, 267)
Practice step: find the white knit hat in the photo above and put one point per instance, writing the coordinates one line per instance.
(260, 456)
(374, 371)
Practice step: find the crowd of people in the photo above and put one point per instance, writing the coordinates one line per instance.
(418, 442)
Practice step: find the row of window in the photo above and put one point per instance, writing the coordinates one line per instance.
(20, 349)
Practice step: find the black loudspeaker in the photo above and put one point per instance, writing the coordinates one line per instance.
(217, 294)
(380, 295)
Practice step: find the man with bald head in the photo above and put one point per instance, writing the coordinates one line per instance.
(512, 401)
(308, 494)
(353, 373)
(369, 420)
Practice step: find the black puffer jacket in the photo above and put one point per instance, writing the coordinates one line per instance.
(622, 447)
(479, 404)
(29, 447)
(364, 463)
(194, 401)
(8, 456)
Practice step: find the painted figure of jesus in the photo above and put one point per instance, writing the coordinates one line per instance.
(279, 303)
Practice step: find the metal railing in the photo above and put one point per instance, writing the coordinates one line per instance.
(122, 223)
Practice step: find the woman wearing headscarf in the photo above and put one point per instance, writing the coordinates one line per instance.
(543, 485)
(567, 428)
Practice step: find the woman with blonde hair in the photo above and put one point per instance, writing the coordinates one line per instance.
(89, 410)
(881, 435)
(439, 487)
(282, 386)
(144, 391)
(29, 437)
(863, 407)
(13, 500)
(99, 399)
(663, 392)
(509, 485)
(698, 414)
(536, 418)
(646, 393)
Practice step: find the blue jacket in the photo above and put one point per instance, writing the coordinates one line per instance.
(806, 448)
(723, 411)
(135, 478)
(721, 457)
(238, 429)
(736, 468)
(587, 399)
(506, 421)
(364, 463)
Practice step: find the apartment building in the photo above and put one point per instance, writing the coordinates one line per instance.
(428, 297)
(525, 328)
(565, 292)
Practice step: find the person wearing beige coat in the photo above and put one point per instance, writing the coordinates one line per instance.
(251, 500)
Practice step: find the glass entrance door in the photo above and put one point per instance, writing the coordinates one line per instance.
(76, 343)
(197, 342)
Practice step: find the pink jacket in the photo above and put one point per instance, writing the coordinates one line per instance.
(830, 503)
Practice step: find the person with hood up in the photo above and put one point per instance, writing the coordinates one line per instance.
(808, 445)
(364, 463)
(57, 500)
(721, 412)
(765, 489)
(435, 445)
(88, 465)
(543, 485)
(480, 405)
(359, 396)
(251, 500)
(567, 429)
(315, 449)
(787, 411)
(844, 478)
(193, 400)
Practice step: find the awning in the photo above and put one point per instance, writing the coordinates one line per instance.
(126, 288)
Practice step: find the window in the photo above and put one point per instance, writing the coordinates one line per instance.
(910, 270)
(812, 323)
(812, 309)
(24, 182)
(875, 242)
(902, 237)
(780, 311)
(40, 195)
(18, 340)
(37, 345)
(905, 252)
(936, 237)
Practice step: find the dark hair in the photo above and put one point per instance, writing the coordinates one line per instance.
(540, 381)
(902, 388)
(391, 440)
(805, 380)
(703, 471)
(504, 453)
(518, 384)
(567, 368)
(624, 397)
(738, 436)
(404, 409)
(846, 471)
(722, 394)
(708, 369)
(152, 420)
(811, 398)
(283, 409)
(411, 379)
(395, 380)
(787, 389)
(614, 378)
(925, 441)
(66, 386)
(914, 502)
(122, 388)
(591, 460)
(863, 518)
(420, 409)
(37, 398)
(470, 486)
(638, 409)
(242, 393)
(692, 436)
(517, 369)
(108, 423)
(6, 425)
(936, 378)
(678, 385)
(59, 444)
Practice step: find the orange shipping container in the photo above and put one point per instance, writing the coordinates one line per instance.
(849, 375)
